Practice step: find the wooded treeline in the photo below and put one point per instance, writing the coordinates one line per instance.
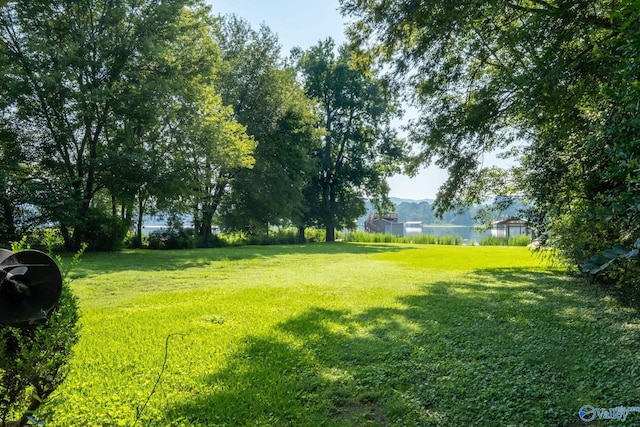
(556, 82)
(113, 110)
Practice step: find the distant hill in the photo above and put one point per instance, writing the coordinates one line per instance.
(398, 200)
(422, 210)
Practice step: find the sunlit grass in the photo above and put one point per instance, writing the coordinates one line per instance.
(343, 334)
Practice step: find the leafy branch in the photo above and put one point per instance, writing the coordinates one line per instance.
(602, 260)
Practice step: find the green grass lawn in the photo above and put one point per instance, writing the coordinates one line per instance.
(343, 335)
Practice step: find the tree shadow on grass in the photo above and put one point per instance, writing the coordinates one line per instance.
(501, 347)
(166, 260)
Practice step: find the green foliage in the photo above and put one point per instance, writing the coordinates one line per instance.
(278, 237)
(147, 130)
(268, 100)
(281, 236)
(178, 237)
(174, 236)
(20, 245)
(12, 187)
(559, 78)
(72, 121)
(522, 240)
(34, 361)
(359, 148)
(48, 240)
(618, 266)
(343, 334)
(315, 235)
(105, 232)
(420, 239)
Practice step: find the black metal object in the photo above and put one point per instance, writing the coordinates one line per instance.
(30, 287)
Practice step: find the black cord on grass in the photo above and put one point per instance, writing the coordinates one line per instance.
(139, 410)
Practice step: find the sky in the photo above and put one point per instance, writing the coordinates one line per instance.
(303, 23)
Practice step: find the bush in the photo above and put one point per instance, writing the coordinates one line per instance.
(522, 240)
(313, 235)
(131, 241)
(212, 241)
(34, 360)
(172, 239)
(175, 236)
(284, 236)
(287, 236)
(425, 239)
(105, 233)
(45, 239)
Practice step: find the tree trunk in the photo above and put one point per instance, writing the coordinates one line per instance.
(327, 207)
(33, 406)
(331, 234)
(138, 241)
(82, 225)
(197, 223)
(114, 205)
(81, 229)
(301, 234)
(64, 231)
(207, 222)
(8, 225)
(331, 217)
(209, 209)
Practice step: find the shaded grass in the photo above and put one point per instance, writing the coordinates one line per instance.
(344, 334)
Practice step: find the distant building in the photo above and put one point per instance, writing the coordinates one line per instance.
(510, 228)
(387, 223)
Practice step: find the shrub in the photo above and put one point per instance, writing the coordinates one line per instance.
(275, 237)
(425, 239)
(105, 233)
(34, 360)
(522, 240)
(45, 239)
(131, 241)
(313, 235)
(172, 239)
(494, 241)
(284, 236)
(174, 236)
(212, 241)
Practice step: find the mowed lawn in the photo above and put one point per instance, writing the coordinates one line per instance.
(343, 335)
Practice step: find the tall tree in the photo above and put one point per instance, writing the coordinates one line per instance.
(109, 98)
(359, 148)
(268, 101)
(68, 66)
(555, 76)
(210, 142)
(221, 146)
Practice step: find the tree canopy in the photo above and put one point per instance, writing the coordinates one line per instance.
(359, 147)
(268, 100)
(557, 77)
(109, 102)
(110, 112)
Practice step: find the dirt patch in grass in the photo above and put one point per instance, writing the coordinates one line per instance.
(358, 413)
